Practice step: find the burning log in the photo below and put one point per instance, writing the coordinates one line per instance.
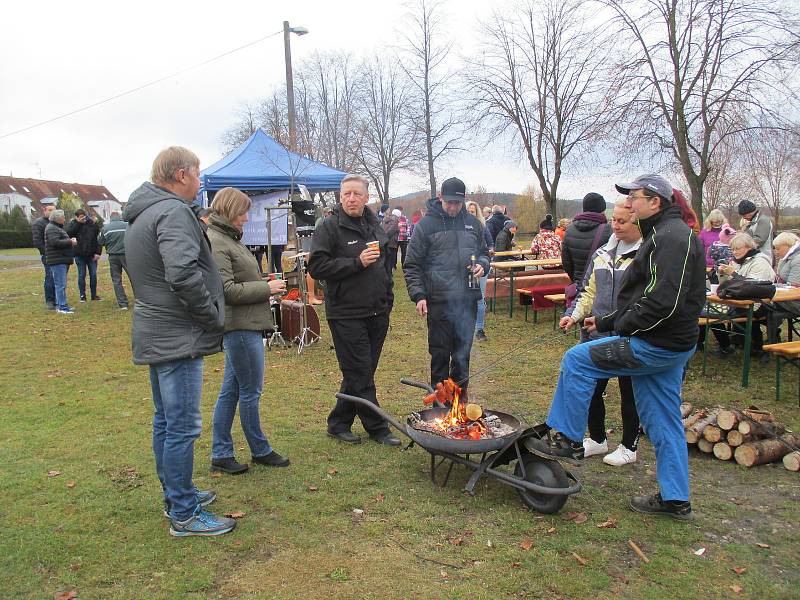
(723, 451)
(705, 446)
(766, 451)
(694, 433)
(689, 421)
(712, 433)
(761, 429)
(792, 461)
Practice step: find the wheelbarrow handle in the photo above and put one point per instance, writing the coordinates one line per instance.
(382, 413)
(417, 384)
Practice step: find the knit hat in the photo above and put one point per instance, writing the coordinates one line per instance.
(726, 233)
(746, 207)
(396, 212)
(547, 223)
(594, 202)
(509, 224)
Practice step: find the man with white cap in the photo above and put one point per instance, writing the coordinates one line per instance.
(656, 322)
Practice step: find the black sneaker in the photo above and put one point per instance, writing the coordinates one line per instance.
(386, 439)
(654, 505)
(346, 436)
(555, 446)
(721, 352)
(228, 465)
(480, 335)
(273, 459)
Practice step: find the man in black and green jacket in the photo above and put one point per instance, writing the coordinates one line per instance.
(112, 236)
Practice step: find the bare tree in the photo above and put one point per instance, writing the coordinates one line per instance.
(427, 49)
(691, 64)
(540, 79)
(389, 139)
(772, 158)
(248, 122)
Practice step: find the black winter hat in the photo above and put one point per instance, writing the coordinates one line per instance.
(547, 223)
(746, 207)
(594, 202)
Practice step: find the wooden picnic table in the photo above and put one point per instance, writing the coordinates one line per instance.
(782, 294)
(518, 252)
(510, 265)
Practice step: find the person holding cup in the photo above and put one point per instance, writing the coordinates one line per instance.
(247, 315)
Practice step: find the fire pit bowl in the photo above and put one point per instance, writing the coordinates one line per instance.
(431, 441)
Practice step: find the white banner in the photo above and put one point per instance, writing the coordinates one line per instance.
(255, 230)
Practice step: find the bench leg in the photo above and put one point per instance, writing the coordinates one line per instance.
(748, 340)
(777, 377)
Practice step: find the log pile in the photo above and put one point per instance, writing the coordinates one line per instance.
(750, 437)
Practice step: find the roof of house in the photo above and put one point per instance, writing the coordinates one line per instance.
(39, 189)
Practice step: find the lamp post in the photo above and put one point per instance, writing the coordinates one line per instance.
(289, 82)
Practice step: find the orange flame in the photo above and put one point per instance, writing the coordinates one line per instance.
(455, 421)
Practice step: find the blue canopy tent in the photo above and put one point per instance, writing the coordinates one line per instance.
(261, 163)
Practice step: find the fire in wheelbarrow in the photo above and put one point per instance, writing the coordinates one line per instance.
(451, 437)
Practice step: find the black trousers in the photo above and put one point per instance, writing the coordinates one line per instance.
(358, 344)
(630, 418)
(757, 338)
(391, 257)
(403, 250)
(451, 329)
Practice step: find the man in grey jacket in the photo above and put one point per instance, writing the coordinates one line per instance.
(178, 318)
(759, 227)
(112, 236)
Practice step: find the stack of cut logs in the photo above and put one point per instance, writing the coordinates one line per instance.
(750, 436)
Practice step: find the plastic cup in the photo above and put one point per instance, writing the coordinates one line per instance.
(714, 287)
(374, 245)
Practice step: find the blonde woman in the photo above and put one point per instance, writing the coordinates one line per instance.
(480, 322)
(710, 233)
(247, 315)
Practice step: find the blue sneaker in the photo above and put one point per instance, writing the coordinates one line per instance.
(204, 498)
(203, 523)
(65, 311)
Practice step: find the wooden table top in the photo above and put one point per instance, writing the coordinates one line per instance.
(539, 262)
(517, 252)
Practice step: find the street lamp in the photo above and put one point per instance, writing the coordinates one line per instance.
(289, 82)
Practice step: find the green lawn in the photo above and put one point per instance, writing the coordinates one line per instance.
(72, 402)
(19, 252)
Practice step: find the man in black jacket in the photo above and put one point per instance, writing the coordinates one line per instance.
(586, 233)
(87, 252)
(494, 224)
(437, 272)
(37, 229)
(349, 251)
(658, 305)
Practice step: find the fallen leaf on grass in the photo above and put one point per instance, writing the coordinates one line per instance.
(609, 523)
(739, 570)
(700, 552)
(443, 574)
(312, 488)
(551, 531)
(71, 484)
(489, 544)
(575, 517)
(65, 595)
(380, 497)
(217, 369)
(358, 512)
(760, 545)
(53, 473)
(736, 588)
(216, 474)
(581, 561)
(621, 577)
(526, 544)
(516, 565)
(237, 514)
(332, 471)
(458, 541)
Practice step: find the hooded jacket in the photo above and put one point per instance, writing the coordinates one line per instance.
(180, 308)
(504, 242)
(663, 290)
(578, 242)
(439, 254)
(58, 246)
(353, 291)
(246, 292)
(601, 283)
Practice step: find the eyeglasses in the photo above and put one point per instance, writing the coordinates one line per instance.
(632, 197)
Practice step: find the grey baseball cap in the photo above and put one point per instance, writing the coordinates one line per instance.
(654, 183)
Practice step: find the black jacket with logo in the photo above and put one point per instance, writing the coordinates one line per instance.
(86, 233)
(353, 291)
(439, 254)
(663, 291)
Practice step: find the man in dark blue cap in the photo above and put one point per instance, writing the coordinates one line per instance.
(655, 326)
(447, 252)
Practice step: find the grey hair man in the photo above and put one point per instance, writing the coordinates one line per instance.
(178, 318)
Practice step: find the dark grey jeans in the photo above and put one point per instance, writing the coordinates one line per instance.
(116, 262)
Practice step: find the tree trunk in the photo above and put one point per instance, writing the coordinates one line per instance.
(723, 451)
(705, 446)
(686, 407)
(737, 438)
(689, 421)
(712, 433)
(694, 433)
(766, 451)
(729, 419)
(760, 416)
(761, 430)
(792, 461)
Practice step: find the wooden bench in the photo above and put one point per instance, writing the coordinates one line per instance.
(785, 352)
(557, 300)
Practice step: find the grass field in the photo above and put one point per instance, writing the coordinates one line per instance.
(73, 403)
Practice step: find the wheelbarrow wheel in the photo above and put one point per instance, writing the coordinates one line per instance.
(547, 473)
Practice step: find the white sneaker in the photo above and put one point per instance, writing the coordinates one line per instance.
(590, 447)
(620, 456)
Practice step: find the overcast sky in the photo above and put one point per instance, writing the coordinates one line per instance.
(58, 56)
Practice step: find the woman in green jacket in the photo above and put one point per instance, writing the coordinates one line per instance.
(247, 315)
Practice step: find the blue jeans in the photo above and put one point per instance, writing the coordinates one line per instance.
(241, 384)
(86, 263)
(60, 285)
(49, 286)
(479, 323)
(656, 375)
(177, 423)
